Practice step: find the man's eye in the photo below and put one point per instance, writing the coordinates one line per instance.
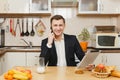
(55, 25)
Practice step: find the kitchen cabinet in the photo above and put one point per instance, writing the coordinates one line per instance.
(11, 59)
(86, 6)
(99, 7)
(109, 6)
(32, 58)
(0, 66)
(14, 6)
(25, 8)
(40, 6)
(108, 59)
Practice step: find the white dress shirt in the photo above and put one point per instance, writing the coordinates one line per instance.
(60, 48)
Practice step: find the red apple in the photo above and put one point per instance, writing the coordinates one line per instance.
(101, 66)
(28, 71)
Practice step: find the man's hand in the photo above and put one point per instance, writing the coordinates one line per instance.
(51, 38)
(90, 67)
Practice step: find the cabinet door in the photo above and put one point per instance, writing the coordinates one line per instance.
(16, 6)
(108, 59)
(109, 6)
(40, 6)
(3, 6)
(88, 6)
(12, 59)
(99, 6)
(0, 66)
(113, 59)
(33, 58)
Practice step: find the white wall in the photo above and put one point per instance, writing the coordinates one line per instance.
(74, 24)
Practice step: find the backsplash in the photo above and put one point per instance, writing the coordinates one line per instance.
(73, 26)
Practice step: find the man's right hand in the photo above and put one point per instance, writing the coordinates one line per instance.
(51, 38)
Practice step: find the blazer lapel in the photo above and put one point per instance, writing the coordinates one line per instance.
(66, 47)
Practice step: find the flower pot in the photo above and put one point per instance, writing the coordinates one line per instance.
(84, 45)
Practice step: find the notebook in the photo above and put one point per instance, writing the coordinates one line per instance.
(89, 58)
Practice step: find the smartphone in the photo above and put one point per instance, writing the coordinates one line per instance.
(51, 30)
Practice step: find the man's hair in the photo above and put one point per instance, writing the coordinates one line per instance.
(57, 17)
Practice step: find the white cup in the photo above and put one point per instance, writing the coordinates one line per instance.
(41, 66)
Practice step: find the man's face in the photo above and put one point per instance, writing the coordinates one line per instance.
(58, 27)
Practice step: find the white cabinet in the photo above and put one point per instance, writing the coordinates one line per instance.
(33, 58)
(14, 6)
(11, 59)
(0, 66)
(40, 6)
(25, 6)
(88, 6)
(108, 59)
(99, 7)
(109, 6)
(3, 3)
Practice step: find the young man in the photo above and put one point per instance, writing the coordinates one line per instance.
(59, 49)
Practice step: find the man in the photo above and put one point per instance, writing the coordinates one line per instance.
(59, 49)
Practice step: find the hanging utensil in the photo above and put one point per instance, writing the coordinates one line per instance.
(22, 33)
(32, 33)
(40, 28)
(18, 25)
(27, 32)
(12, 27)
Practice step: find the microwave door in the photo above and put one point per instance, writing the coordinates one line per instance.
(106, 40)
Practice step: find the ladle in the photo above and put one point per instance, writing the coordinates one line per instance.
(32, 33)
(22, 33)
(27, 32)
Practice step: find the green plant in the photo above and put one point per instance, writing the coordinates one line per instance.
(84, 35)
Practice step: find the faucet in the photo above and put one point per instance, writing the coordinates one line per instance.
(29, 44)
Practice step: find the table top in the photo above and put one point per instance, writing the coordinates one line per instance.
(63, 73)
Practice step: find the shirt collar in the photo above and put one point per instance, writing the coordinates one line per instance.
(62, 37)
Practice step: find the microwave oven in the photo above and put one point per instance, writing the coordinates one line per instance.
(107, 40)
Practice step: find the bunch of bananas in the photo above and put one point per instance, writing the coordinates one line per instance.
(18, 74)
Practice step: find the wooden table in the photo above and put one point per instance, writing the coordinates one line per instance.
(63, 73)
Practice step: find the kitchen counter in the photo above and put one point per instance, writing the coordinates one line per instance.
(63, 73)
(19, 49)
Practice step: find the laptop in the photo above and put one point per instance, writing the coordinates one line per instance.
(89, 58)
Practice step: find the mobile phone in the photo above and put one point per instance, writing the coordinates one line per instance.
(51, 29)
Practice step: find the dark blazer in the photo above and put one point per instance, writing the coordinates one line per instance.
(72, 47)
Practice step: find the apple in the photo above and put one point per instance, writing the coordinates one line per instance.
(28, 71)
(101, 66)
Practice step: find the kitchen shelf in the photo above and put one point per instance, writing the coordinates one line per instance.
(14, 15)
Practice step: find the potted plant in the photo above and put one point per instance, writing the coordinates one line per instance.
(84, 36)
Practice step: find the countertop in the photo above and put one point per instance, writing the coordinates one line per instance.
(63, 73)
(19, 49)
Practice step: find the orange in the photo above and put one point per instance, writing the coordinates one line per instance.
(29, 76)
(10, 77)
(6, 75)
(10, 72)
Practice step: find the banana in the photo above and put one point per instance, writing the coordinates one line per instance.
(20, 76)
(18, 72)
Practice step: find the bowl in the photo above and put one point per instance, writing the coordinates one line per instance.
(100, 75)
